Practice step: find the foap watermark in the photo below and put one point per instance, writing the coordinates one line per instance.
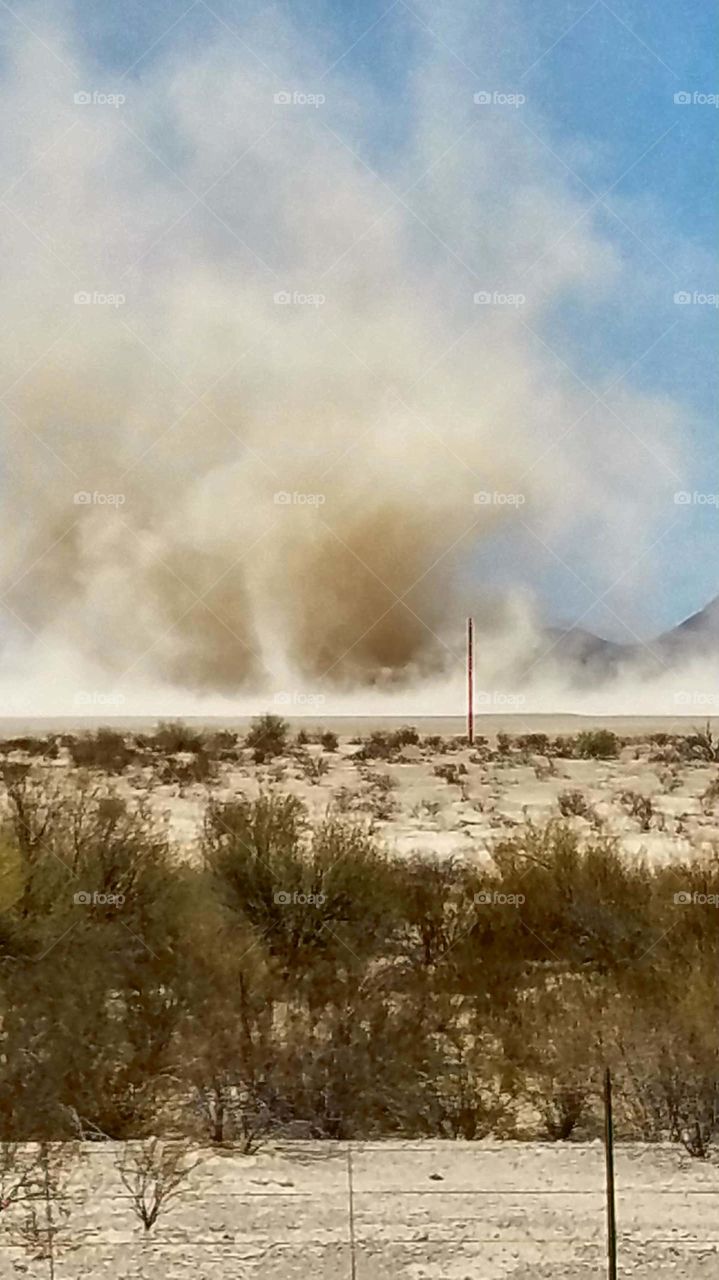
(685, 498)
(696, 298)
(498, 698)
(95, 698)
(285, 899)
(493, 898)
(86, 899)
(298, 98)
(696, 99)
(285, 499)
(283, 298)
(83, 498)
(87, 298)
(493, 298)
(495, 498)
(696, 698)
(498, 98)
(97, 98)
(296, 698)
(691, 898)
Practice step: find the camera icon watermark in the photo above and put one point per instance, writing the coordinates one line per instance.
(498, 698)
(694, 899)
(83, 498)
(283, 298)
(297, 98)
(85, 899)
(95, 98)
(696, 99)
(493, 898)
(493, 298)
(495, 98)
(285, 499)
(295, 899)
(685, 498)
(683, 298)
(495, 498)
(86, 298)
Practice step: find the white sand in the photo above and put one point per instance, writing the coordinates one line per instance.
(432, 1211)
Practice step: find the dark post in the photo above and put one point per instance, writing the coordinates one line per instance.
(609, 1153)
(470, 680)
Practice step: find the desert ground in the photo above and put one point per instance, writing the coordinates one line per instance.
(368, 1211)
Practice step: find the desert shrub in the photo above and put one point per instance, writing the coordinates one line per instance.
(701, 745)
(153, 1172)
(639, 807)
(554, 1045)
(105, 750)
(172, 737)
(504, 744)
(329, 740)
(383, 744)
(38, 746)
(314, 768)
(534, 742)
(586, 903)
(574, 804)
(667, 1060)
(377, 747)
(267, 737)
(451, 773)
(305, 892)
(376, 795)
(405, 736)
(597, 744)
(186, 769)
(221, 745)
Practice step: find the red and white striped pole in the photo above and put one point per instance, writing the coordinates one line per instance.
(470, 680)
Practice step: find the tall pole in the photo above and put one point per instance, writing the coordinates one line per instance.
(470, 680)
(609, 1155)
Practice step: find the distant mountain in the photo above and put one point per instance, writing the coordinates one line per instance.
(583, 656)
(696, 637)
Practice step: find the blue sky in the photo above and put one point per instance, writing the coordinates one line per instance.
(601, 81)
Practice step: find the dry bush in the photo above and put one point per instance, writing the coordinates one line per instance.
(574, 804)
(154, 1172)
(639, 807)
(702, 745)
(314, 768)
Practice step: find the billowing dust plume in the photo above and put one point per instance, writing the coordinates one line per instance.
(259, 416)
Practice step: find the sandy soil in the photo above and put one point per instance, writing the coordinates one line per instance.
(436, 1211)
